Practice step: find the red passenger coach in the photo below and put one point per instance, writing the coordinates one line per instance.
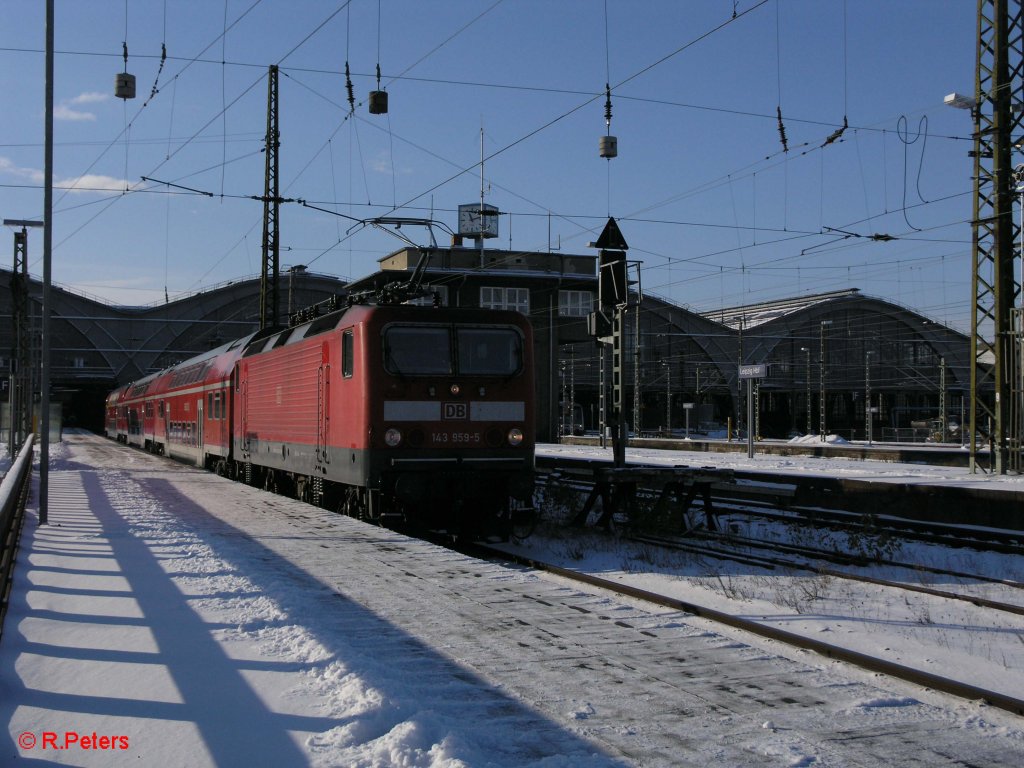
(193, 407)
(401, 412)
(116, 418)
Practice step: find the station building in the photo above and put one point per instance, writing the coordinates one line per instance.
(825, 353)
(95, 347)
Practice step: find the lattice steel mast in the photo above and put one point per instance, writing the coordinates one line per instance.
(270, 280)
(996, 288)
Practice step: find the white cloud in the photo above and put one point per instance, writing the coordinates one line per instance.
(383, 165)
(9, 168)
(64, 112)
(89, 97)
(93, 182)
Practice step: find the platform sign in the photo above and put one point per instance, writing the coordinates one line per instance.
(749, 373)
(759, 371)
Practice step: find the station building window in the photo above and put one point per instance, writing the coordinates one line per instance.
(575, 303)
(517, 299)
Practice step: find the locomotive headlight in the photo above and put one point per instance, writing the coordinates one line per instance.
(515, 436)
(454, 389)
(393, 437)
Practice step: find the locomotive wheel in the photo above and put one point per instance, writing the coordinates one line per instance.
(522, 520)
(351, 504)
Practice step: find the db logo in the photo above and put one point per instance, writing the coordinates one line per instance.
(455, 411)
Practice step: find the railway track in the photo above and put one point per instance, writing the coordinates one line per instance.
(839, 558)
(922, 513)
(777, 562)
(865, 661)
(774, 503)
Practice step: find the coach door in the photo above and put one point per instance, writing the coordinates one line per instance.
(323, 405)
(242, 384)
(199, 426)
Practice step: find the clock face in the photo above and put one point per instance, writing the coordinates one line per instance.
(469, 221)
(472, 224)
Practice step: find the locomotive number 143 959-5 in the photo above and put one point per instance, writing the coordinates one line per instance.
(456, 438)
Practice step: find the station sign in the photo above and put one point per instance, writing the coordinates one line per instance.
(758, 371)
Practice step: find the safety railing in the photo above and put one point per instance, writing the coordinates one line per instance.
(13, 494)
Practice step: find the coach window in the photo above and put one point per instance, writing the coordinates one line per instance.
(347, 354)
(211, 413)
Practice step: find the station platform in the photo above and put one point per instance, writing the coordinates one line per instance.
(167, 616)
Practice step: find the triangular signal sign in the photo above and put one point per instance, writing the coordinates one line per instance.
(611, 238)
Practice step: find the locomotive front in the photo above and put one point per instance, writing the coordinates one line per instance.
(452, 420)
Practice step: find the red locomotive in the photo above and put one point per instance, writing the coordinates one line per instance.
(386, 412)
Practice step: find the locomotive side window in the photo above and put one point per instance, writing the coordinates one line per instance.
(417, 350)
(489, 351)
(347, 355)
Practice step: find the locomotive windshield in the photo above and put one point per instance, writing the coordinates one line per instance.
(489, 351)
(418, 350)
(437, 351)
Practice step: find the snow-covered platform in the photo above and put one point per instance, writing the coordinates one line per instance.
(167, 617)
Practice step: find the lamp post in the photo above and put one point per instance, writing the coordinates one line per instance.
(867, 395)
(561, 411)
(821, 394)
(668, 396)
(807, 350)
(44, 330)
(572, 391)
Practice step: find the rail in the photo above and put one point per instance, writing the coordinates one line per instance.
(13, 493)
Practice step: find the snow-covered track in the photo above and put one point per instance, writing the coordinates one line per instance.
(872, 663)
(736, 555)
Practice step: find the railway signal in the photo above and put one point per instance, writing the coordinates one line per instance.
(607, 325)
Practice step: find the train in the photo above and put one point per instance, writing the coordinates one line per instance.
(393, 413)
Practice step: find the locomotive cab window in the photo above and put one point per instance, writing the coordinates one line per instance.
(489, 351)
(347, 354)
(417, 350)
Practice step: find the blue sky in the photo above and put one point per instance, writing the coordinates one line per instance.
(705, 195)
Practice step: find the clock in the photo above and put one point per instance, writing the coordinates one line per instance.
(473, 224)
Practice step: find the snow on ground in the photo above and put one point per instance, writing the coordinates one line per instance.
(951, 639)
(812, 439)
(131, 638)
(140, 632)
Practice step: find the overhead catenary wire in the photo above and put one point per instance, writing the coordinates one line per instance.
(354, 124)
